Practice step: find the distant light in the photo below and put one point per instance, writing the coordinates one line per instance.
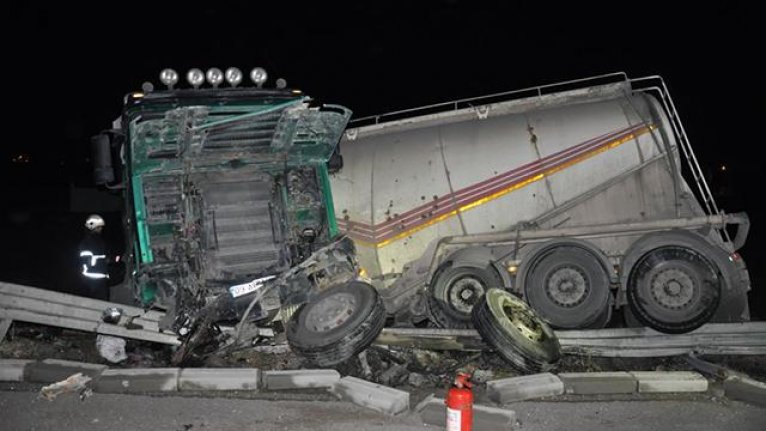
(214, 76)
(169, 77)
(259, 76)
(233, 76)
(20, 158)
(195, 77)
(297, 92)
(137, 95)
(723, 168)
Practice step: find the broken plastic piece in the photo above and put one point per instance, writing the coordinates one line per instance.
(111, 348)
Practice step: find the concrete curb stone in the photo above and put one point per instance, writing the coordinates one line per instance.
(138, 380)
(219, 379)
(372, 396)
(12, 370)
(597, 383)
(512, 389)
(670, 381)
(299, 379)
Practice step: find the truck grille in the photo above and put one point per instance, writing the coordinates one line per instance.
(242, 238)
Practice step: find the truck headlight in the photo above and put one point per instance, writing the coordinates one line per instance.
(258, 75)
(233, 76)
(169, 77)
(214, 76)
(195, 77)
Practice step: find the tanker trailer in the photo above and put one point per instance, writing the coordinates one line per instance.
(581, 197)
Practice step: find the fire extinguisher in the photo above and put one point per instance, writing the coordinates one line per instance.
(460, 404)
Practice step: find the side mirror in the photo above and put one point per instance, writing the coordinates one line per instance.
(335, 163)
(101, 151)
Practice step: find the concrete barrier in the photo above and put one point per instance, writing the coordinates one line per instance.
(371, 395)
(12, 370)
(138, 380)
(599, 383)
(219, 379)
(299, 379)
(504, 391)
(670, 381)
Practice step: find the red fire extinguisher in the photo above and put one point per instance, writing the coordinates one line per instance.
(460, 404)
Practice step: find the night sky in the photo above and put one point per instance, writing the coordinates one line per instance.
(67, 68)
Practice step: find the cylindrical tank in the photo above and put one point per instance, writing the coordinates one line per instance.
(409, 182)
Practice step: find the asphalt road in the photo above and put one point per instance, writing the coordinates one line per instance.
(23, 409)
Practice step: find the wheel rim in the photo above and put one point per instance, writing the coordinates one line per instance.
(520, 317)
(331, 312)
(464, 292)
(567, 286)
(673, 288)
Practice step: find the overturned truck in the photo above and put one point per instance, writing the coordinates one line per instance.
(571, 195)
(227, 199)
(244, 216)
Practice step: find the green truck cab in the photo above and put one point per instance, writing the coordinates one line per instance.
(227, 197)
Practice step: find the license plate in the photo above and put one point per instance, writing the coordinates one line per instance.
(244, 289)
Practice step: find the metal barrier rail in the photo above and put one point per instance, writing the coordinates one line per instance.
(34, 305)
(747, 338)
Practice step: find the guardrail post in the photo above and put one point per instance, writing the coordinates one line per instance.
(4, 325)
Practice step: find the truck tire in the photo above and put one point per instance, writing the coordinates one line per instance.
(338, 324)
(454, 292)
(569, 287)
(674, 289)
(515, 331)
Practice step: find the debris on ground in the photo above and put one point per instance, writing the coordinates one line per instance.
(74, 383)
(394, 376)
(111, 348)
(414, 369)
(482, 376)
(416, 380)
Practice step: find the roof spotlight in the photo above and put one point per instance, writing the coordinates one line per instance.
(169, 77)
(214, 76)
(281, 83)
(233, 76)
(195, 77)
(259, 76)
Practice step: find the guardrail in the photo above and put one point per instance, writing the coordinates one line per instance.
(34, 305)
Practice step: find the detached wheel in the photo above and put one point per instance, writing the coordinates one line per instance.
(455, 291)
(336, 325)
(569, 287)
(515, 332)
(674, 289)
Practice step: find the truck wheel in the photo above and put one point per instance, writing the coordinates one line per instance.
(515, 331)
(569, 287)
(454, 293)
(674, 289)
(336, 325)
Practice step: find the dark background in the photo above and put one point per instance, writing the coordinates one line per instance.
(67, 68)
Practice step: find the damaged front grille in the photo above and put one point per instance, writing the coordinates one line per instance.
(255, 134)
(242, 237)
